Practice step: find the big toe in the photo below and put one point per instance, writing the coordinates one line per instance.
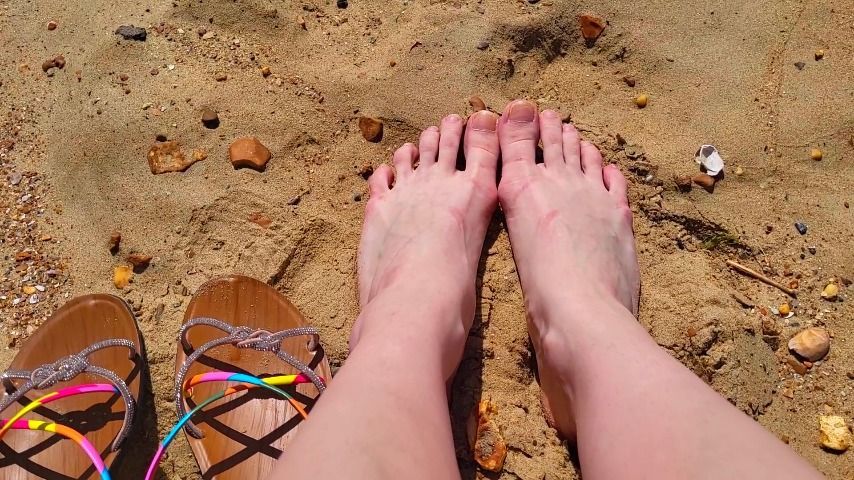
(481, 144)
(518, 134)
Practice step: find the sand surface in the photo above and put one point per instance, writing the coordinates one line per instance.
(719, 72)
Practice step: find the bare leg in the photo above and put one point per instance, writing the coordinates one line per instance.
(637, 412)
(386, 413)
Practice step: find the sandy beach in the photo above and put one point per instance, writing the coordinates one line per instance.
(766, 82)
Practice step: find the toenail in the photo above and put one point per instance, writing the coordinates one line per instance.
(453, 118)
(483, 121)
(522, 111)
(550, 114)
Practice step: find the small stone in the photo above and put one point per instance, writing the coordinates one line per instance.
(260, 219)
(485, 440)
(642, 100)
(167, 157)
(122, 276)
(248, 152)
(366, 170)
(221, 77)
(160, 137)
(199, 154)
(208, 35)
(800, 65)
(797, 366)
(784, 309)
(801, 227)
(634, 151)
(357, 197)
(830, 291)
(819, 54)
(341, 3)
(739, 171)
(210, 119)
(743, 300)
(123, 77)
(704, 180)
(115, 241)
(28, 289)
(139, 261)
(835, 434)
(372, 129)
(482, 45)
(630, 81)
(51, 25)
(48, 64)
(15, 178)
(476, 103)
(301, 22)
(265, 71)
(812, 249)
(59, 61)
(154, 71)
(816, 154)
(591, 28)
(129, 32)
(811, 344)
(201, 31)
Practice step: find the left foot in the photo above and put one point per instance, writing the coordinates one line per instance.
(423, 236)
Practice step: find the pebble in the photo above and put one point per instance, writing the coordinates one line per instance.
(801, 227)
(811, 344)
(830, 292)
(167, 157)
(739, 171)
(819, 54)
(477, 103)
(129, 32)
(48, 64)
(487, 445)
(123, 77)
(800, 65)
(816, 154)
(797, 366)
(139, 261)
(704, 180)
(591, 28)
(482, 45)
(15, 178)
(265, 71)
(835, 434)
(260, 219)
(199, 154)
(208, 35)
(784, 309)
(372, 129)
(122, 276)
(642, 100)
(59, 61)
(155, 71)
(221, 77)
(301, 22)
(210, 119)
(115, 241)
(341, 3)
(630, 81)
(248, 152)
(51, 25)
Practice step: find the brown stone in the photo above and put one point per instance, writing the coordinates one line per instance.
(260, 219)
(811, 344)
(48, 64)
(372, 129)
(591, 27)
(488, 446)
(139, 260)
(167, 157)
(797, 366)
(59, 61)
(210, 118)
(248, 152)
(51, 25)
(683, 183)
(115, 241)
(265, 71)
(630, 81)
(705, 181)
(477, 103)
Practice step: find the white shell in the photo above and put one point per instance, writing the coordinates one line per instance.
(710, 159)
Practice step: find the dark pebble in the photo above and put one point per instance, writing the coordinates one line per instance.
(800, 65)
(357, 197)
(482, 45)
(160, 137)
(210, 118)
(532, 2)
(342, 3)
(129, 32)
(811, 249)
(801, 227)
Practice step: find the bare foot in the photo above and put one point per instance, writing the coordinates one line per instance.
(422, 237)
(571, 231)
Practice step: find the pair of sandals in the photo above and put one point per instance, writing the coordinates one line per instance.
(79, 377)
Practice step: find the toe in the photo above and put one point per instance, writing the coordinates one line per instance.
(380, 181)
(518, 134)
(616, 184)
(451, 133)
(591, 161)
(428, 146)
(552, 136)
(403, 159)
(481, 144)
(572, 147)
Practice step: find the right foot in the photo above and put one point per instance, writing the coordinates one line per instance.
(571, 232)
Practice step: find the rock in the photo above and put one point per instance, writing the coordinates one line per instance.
(123, 77)
(372, 129)
(641, 100)
(800, 65)
(221, 77)
(48, 64)
(15, 178)
(199, 154)
(835, 434)
(160, 137)
(301, 22)
(801, 227)
(341, 3)
(830, 291)
(482, 45)
(122, 276)
(51, 25)
(260, 219)
(743, 300)
(139, 261)
(248, 152)
(129, 32)
(705, 181)
(115, 241)
(265, 71)
(208, 35)
(816, 154)
(630, 81)
(591, 28)
(797, 366)
(811, 344)
(487, 445)
(210, 119)
(739, 171)
(634, 151)
(167, 157)
(59, 61)
(366, 170)
(784, 309)
(476, 103)
(819, 54)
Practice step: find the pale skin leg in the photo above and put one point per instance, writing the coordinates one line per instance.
(386, 413)
(635, 411)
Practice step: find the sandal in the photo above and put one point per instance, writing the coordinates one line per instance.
(90, 339)
(235, 329)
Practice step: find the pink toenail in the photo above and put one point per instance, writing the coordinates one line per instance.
(522, 111)
(550, 114)
(453, 118)
(483, 121)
